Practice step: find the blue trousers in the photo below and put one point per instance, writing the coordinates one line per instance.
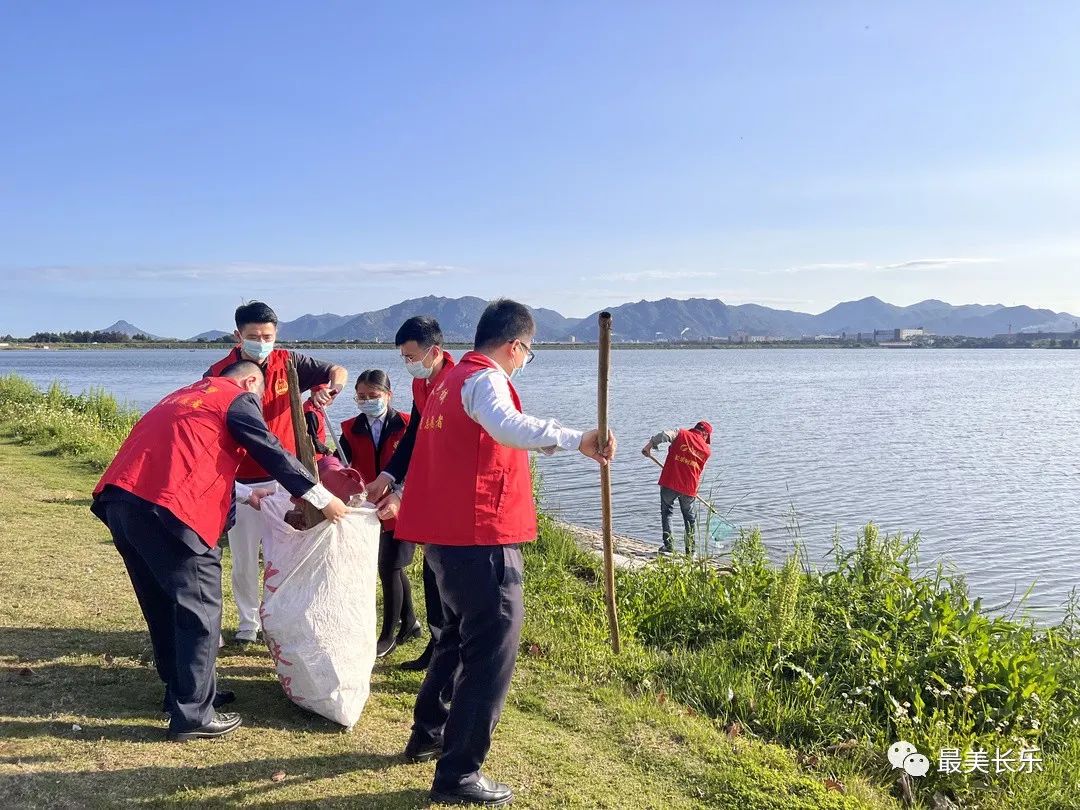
(477, 650)
(687, 506)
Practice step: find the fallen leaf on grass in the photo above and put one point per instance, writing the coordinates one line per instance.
(279, 776)
(26, 672)
(835, 785)
(733, 731)
(840, 747)
(661, 698)
(535, 651)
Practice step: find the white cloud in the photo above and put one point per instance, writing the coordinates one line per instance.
(930, 264)
(656, 275)
(234, 272)
(873, 267)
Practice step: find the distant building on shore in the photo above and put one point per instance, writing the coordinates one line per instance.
(1022, 338)
(898, 335)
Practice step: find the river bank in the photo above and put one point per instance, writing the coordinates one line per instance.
(821, 671)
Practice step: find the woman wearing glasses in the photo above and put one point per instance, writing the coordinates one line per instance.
(368, 441)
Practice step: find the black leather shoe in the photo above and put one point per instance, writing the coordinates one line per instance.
(421, 663)
(221, 725)
(422, 749)
(222, 698)
(409, 633)
(385, 646)
(484, 791)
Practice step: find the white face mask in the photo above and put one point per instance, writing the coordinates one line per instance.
(258, 350)
(373, 408)
(417, 368)
(516, 371)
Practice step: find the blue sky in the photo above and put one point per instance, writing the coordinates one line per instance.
(162, 162)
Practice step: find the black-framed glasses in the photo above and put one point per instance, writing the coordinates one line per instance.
(530, 355)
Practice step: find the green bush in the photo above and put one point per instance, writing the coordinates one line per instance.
(88, 426)
(858, 656)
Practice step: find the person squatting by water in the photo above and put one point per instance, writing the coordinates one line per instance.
(681, 477)
(419, 340)
(166, 498)
(469, 499)
(256, 333)
(368, 441)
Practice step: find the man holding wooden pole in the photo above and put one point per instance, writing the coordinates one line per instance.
(469, 500)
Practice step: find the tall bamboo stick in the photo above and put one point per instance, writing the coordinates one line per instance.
(605, 478)
(304, 449)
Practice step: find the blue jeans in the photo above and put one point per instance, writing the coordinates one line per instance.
(687, 505)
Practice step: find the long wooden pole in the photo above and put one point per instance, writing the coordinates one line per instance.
(605, 478)
(305, 452)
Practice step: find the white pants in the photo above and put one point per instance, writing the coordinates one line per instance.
(245, 539)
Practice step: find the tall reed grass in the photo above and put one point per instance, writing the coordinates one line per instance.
(851, 659)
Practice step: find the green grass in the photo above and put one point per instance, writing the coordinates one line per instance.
(74, 651)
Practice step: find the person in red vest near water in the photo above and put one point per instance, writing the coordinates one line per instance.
(256, 334)
(166, 498)
(469, 499)
(368, 442)
(681, 477)
(420, 341)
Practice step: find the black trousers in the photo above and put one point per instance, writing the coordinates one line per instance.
(483, 610)
(432, 600)
(394, 555)
(179, 592)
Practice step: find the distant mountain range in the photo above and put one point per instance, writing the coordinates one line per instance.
(670, 319)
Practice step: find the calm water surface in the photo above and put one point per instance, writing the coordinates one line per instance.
(974, 449)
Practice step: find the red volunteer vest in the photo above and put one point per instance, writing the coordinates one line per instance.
(421, 389)
(464, 488)
(275, 405)
(368, 460)
(685, 462)
(181, 456)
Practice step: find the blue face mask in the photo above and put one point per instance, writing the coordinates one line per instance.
(257, 350)
(373, 408)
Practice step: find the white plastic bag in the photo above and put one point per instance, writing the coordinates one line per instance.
(318, 608)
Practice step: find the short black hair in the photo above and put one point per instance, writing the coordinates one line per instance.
(424, 329)
(376, 378)
(241, 368)
(503, 320)
(254, 312)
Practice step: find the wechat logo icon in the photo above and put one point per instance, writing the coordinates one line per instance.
(904, 755)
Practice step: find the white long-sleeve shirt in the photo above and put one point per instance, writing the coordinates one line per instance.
(487, 400)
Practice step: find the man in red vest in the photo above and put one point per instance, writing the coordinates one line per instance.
(681, 476)
(256, 333)
(420, 342)
(166, 498)
(469, 499)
